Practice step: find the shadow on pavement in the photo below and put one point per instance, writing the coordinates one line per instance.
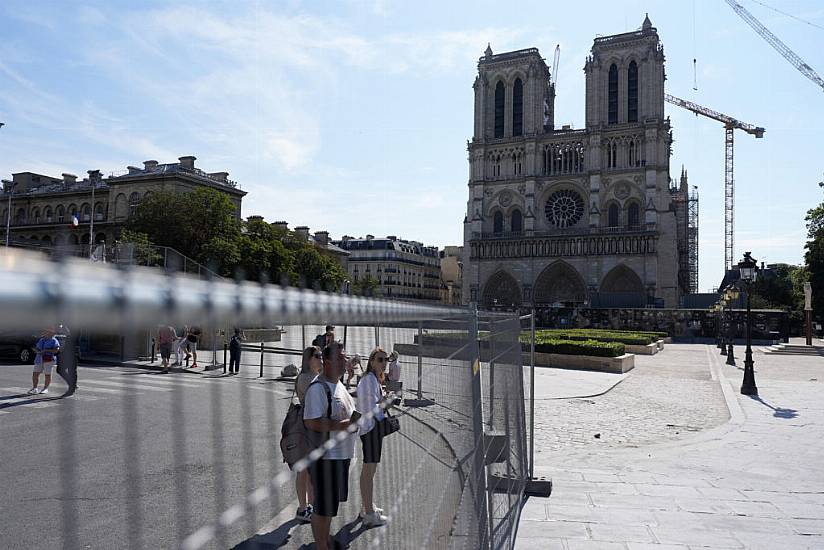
(779, 412)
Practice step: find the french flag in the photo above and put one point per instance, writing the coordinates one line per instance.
(75, 221)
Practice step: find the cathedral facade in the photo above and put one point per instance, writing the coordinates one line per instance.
(566, 217)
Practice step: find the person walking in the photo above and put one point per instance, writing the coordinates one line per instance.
(310, 367)
(370, 397)
(191, 340)
(328, 411)
(67, 358)
(166, 337)
(234, 352)
(47, 348)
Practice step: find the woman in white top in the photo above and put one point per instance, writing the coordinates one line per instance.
(370, 396)
(309, 369)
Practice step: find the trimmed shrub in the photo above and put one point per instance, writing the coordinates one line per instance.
(579, 347)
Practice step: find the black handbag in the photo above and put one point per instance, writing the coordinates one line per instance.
(389, 424)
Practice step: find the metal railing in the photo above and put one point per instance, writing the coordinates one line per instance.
(455, 477)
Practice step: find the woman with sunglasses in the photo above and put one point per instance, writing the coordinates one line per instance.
(370, 395)
(309, 369)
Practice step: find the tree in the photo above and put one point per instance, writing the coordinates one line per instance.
(814, 257)
(141, 251)
(200, 224)
(367, 286)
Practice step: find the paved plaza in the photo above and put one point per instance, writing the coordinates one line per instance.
(683, 461)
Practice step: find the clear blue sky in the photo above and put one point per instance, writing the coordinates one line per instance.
(353, 116)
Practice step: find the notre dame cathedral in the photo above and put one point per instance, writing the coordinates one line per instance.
(565, 217)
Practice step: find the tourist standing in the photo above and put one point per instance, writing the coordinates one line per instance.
(328, 410)
(234, 352)
(181, 346)
(309, 369)
(166, 337)
(370, 397)
(47, 348)
(323, 340)
(67, 358)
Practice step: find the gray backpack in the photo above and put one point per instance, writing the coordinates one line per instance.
(296, 440)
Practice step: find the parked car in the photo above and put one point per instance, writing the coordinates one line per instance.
(21, 344)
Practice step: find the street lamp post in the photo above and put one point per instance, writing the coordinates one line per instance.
(748, 269)
(732, 297)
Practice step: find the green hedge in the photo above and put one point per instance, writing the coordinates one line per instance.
(623, 337)
(578, 347)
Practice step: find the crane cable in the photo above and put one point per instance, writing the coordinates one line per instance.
(789, 15)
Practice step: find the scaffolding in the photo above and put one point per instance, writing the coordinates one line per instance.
(692, 239)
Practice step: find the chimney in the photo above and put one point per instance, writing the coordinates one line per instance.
(94, 176)
(69, 179)
(392, 237)
(149, 164)
(370, 237)
(188, 162)
(255, 218)
(133, 170)
(222, 177)
(281, 225)
(303, 231)
(322, 237)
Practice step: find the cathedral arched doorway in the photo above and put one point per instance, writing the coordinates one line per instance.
(559, 283)
(622, 287)
(501, 290)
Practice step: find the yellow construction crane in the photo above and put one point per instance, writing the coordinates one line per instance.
(730, 124)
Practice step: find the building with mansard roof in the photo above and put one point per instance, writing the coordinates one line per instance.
(574, 217)
(42, 207)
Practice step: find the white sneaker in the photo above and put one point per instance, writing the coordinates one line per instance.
(33, 391)
(375, 509)
(44, 391)
(375, 519)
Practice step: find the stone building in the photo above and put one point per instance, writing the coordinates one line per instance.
(403, 269)
(452, 275)
(42, 206)
(565, 217)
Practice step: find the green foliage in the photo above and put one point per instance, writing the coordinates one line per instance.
(814, 257)
(366, 286)
(144, 252)
(203, 226)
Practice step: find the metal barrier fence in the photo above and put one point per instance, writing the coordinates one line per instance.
(197, 463)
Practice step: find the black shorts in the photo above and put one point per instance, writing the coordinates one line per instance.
(330, 483)
(372, 445)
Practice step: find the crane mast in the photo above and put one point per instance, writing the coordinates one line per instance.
(773, 41)
(730, 124)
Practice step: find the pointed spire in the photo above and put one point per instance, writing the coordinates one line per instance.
(488, 51)
(647, 24)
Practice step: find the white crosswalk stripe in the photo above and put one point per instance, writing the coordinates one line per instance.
(124, 385)
(53, 392)
(163, 381)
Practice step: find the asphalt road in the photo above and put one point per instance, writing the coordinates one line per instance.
(136, 459)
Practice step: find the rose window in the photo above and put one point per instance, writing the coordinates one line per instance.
(564, 208)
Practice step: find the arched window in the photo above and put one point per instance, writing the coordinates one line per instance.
(35, 215)
(632, 216)
(134, 200)
(98, 212)
(631, 153)
(20, 217)
(517, 221)
(612, 95)
(500, 94)
(632, 92)
(612, 216)
(498, 166)
(85, 213)
(518, 108)
(47, 240)
(47, 214)
(498, 223)
(60, 212)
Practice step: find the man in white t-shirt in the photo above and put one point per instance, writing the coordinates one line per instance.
(327, 410)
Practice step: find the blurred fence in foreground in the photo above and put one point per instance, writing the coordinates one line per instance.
(453, 478)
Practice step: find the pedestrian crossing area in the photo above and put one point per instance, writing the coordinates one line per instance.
(114, 385)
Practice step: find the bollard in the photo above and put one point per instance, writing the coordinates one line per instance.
(224, 357)
(261, 360)
(730, 355)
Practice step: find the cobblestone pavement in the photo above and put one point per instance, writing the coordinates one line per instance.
(755, 482)
(666, 397)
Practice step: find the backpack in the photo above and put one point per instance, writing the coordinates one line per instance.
(296, 440)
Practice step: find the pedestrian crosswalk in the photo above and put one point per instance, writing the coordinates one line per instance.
(121, 383)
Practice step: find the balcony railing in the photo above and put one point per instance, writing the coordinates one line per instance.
(568, 232)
